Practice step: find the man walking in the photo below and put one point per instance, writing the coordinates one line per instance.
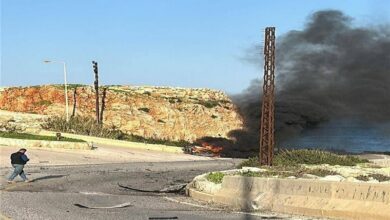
(18, 160)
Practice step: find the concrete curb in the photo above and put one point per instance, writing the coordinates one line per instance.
(119, 143)
(345, 200)
(45, 144)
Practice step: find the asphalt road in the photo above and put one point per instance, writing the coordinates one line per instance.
(55, 190)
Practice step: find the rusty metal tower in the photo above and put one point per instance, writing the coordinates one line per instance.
(267, 138)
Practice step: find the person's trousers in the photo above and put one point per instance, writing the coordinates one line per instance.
(18, 170)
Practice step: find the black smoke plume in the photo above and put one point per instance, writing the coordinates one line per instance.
(329, 71)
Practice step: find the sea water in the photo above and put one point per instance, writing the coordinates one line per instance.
(344, 135)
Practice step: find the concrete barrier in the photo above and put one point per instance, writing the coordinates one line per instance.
(119, 143)
(45, 144)
(345, 200)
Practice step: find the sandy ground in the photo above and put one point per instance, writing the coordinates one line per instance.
(101, 155)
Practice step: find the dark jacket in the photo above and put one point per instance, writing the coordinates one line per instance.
(19, 158)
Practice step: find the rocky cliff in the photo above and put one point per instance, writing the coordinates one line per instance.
(151, 112)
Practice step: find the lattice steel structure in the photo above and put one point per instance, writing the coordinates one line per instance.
(267, 138)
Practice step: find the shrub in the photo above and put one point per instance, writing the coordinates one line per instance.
(379, 177)
(81, 125)
(311, 157)
(209, 104)
(88, 126)
(363, 178)
(147, 110)
(320, 172)
(173, 100)
(136, 138)
(43, 102)
(250, 162)
(294, 157)
(215, 177)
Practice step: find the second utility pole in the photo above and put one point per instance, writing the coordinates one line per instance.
(96, 83)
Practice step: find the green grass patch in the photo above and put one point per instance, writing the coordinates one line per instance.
(283, 172)
(215, 177)
(26, 136)
(268, 173)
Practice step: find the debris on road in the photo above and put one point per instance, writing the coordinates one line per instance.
(193, 204)
(94, 193)
(124, 205)
(171, 189)
(205, 149)
(158, 218)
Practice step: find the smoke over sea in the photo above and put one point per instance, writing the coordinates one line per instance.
(333, 87)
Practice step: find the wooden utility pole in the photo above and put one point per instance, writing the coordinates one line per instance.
(96, 83)
(103, 105)
(74, 102)
(267, 138)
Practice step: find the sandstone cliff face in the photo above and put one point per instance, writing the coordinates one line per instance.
(151, 112)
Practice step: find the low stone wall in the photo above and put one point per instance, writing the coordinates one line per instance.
(45, 144)
(345, 200)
